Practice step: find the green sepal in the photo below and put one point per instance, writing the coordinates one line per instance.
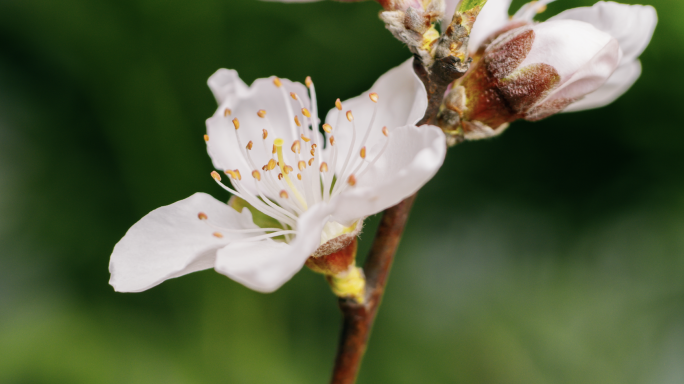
(467, 5)
(260, 219)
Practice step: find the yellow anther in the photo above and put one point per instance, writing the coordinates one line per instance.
(231, 173)
(202, 216)
(283, 194)
(314, 146)
(324, 167)
(293, 95)
(271, 164)
(274, 149)
(350, 117)
(305, 138)
(217, 234)
(541, 8)
(296, 147)
(261, 113)
(332, 140)
(299, 176)
(216, 175)
(256, 175)
(385, 131)
(277, 82)
(311, 161)
(352, 180)
(306, 112)
(338, 104)
(363, 153)
(236, 123)
(264, 168)
(280, 176)
(374, 97)
(264, 135)
(287, 169)
(301, 165)
(249, 145)
(308, 82)
(297, 121)
(327, 128)
(227, 112)
(237, 173)
(313, 152)
(206, 137)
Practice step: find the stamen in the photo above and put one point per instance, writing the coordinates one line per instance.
(202, 216)
(338, 104)
(305, 138)
(277, 82)
(311, 161)
(206, 137)
(308, 82)
(216, 175)
(352, 180)
(265, 134)
(261, 113)
(306, 112)
(314, 146)
(217, 234)
(332, 140)
(236, 123)
(237, 172)
(296, 120)
(287, 169)
(227, 112)
(293, 95)
(374, 97)
(324, 167)
(256, 175)
(283, 194)
(313, 151)
(274, 149)
(385, 131)
(249, 145)
(301, 165)
(296, 147)
(327, 128)
(280, 176)
(363, 153)
(350, 117)
(299, 176)
(271, 165)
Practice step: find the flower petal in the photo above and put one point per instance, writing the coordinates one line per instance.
(172, 241)
(266, 265)
(631, 25)
(244, 104)
(402, 101)
(618, 83)
(493, 17)
(413, 156)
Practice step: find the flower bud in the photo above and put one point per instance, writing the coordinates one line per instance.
(530, 73)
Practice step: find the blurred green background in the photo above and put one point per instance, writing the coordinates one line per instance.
(552, 254)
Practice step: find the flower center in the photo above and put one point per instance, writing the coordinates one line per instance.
(292, 181)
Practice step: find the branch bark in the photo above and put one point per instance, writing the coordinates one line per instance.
(358, 318)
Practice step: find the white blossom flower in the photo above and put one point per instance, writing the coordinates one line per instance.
(313, 189)
(631, 26)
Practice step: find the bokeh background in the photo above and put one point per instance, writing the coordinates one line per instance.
(552, 254)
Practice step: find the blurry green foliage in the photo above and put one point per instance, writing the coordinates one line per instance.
(553, 254)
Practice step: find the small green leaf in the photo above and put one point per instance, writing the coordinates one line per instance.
(467, 5)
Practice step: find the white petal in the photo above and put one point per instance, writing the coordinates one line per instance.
(568, 45)
(244, 103)
(494, 16)
(618, 83)
(264, 266)
(172, 241)
(528, 11)
(631, 25)
(402, 101)
(412, 158)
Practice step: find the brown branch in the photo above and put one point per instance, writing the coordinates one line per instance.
(358, 318)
